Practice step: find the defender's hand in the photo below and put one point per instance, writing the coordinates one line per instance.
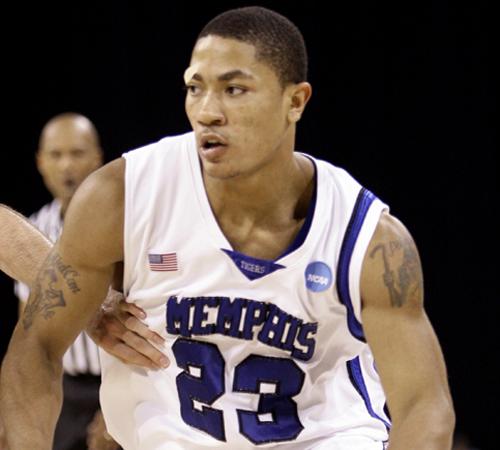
(118, 329)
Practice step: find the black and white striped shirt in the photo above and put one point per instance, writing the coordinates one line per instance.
(82, 357)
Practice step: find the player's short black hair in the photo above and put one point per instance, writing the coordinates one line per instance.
(277, 40)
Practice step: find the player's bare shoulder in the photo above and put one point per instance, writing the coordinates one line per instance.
(107, 181)
(392, 273)
(95, 215)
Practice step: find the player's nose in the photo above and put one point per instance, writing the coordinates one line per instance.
(210, 111)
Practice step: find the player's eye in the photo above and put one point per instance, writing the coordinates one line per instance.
(192, 89)
(235, 90)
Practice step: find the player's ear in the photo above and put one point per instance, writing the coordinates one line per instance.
(299, 95)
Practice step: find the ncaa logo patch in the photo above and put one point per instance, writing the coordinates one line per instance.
(318, 276)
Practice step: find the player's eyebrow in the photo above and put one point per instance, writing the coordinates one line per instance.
(234, 74)
(228, 76)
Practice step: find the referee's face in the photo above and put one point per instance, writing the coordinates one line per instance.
(68, 153)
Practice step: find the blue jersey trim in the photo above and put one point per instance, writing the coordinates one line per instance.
(252, 268)
(356, 377)
(363, 203)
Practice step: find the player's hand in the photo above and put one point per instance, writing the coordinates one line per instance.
(97, 435)
(118, 329)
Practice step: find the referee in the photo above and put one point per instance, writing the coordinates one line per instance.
(68, 151)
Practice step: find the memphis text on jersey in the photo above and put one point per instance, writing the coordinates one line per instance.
(241, 318)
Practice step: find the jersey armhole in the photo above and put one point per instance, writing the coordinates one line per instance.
(126, 213)
(366, 233)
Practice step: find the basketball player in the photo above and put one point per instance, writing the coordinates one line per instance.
(283, 288)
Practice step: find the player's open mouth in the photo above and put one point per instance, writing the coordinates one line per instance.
(212, 146)
(211, 140)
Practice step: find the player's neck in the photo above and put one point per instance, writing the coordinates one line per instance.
(270, 195)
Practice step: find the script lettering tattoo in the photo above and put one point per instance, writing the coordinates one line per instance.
(405, 281)
(47, 291)
(68, 274)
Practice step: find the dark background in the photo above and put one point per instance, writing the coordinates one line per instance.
(403, 99)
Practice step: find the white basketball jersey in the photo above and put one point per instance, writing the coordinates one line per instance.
(263, 353)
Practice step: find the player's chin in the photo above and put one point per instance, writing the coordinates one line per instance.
(220, 170)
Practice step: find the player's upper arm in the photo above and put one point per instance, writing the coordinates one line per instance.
(93, 228)
(75, 277)
(404, 345)
(392, 273)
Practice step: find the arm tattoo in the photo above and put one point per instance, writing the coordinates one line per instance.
(407, 282)
(47, 291)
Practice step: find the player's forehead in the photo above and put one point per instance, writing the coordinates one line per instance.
(215, 55)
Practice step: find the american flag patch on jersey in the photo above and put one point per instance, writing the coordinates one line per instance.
(163, 262)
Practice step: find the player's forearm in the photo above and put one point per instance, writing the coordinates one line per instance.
(31, 394)
(25, 262)
(427, 425)
(23, 248)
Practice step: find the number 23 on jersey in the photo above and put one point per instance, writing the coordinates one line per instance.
(275, 380)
